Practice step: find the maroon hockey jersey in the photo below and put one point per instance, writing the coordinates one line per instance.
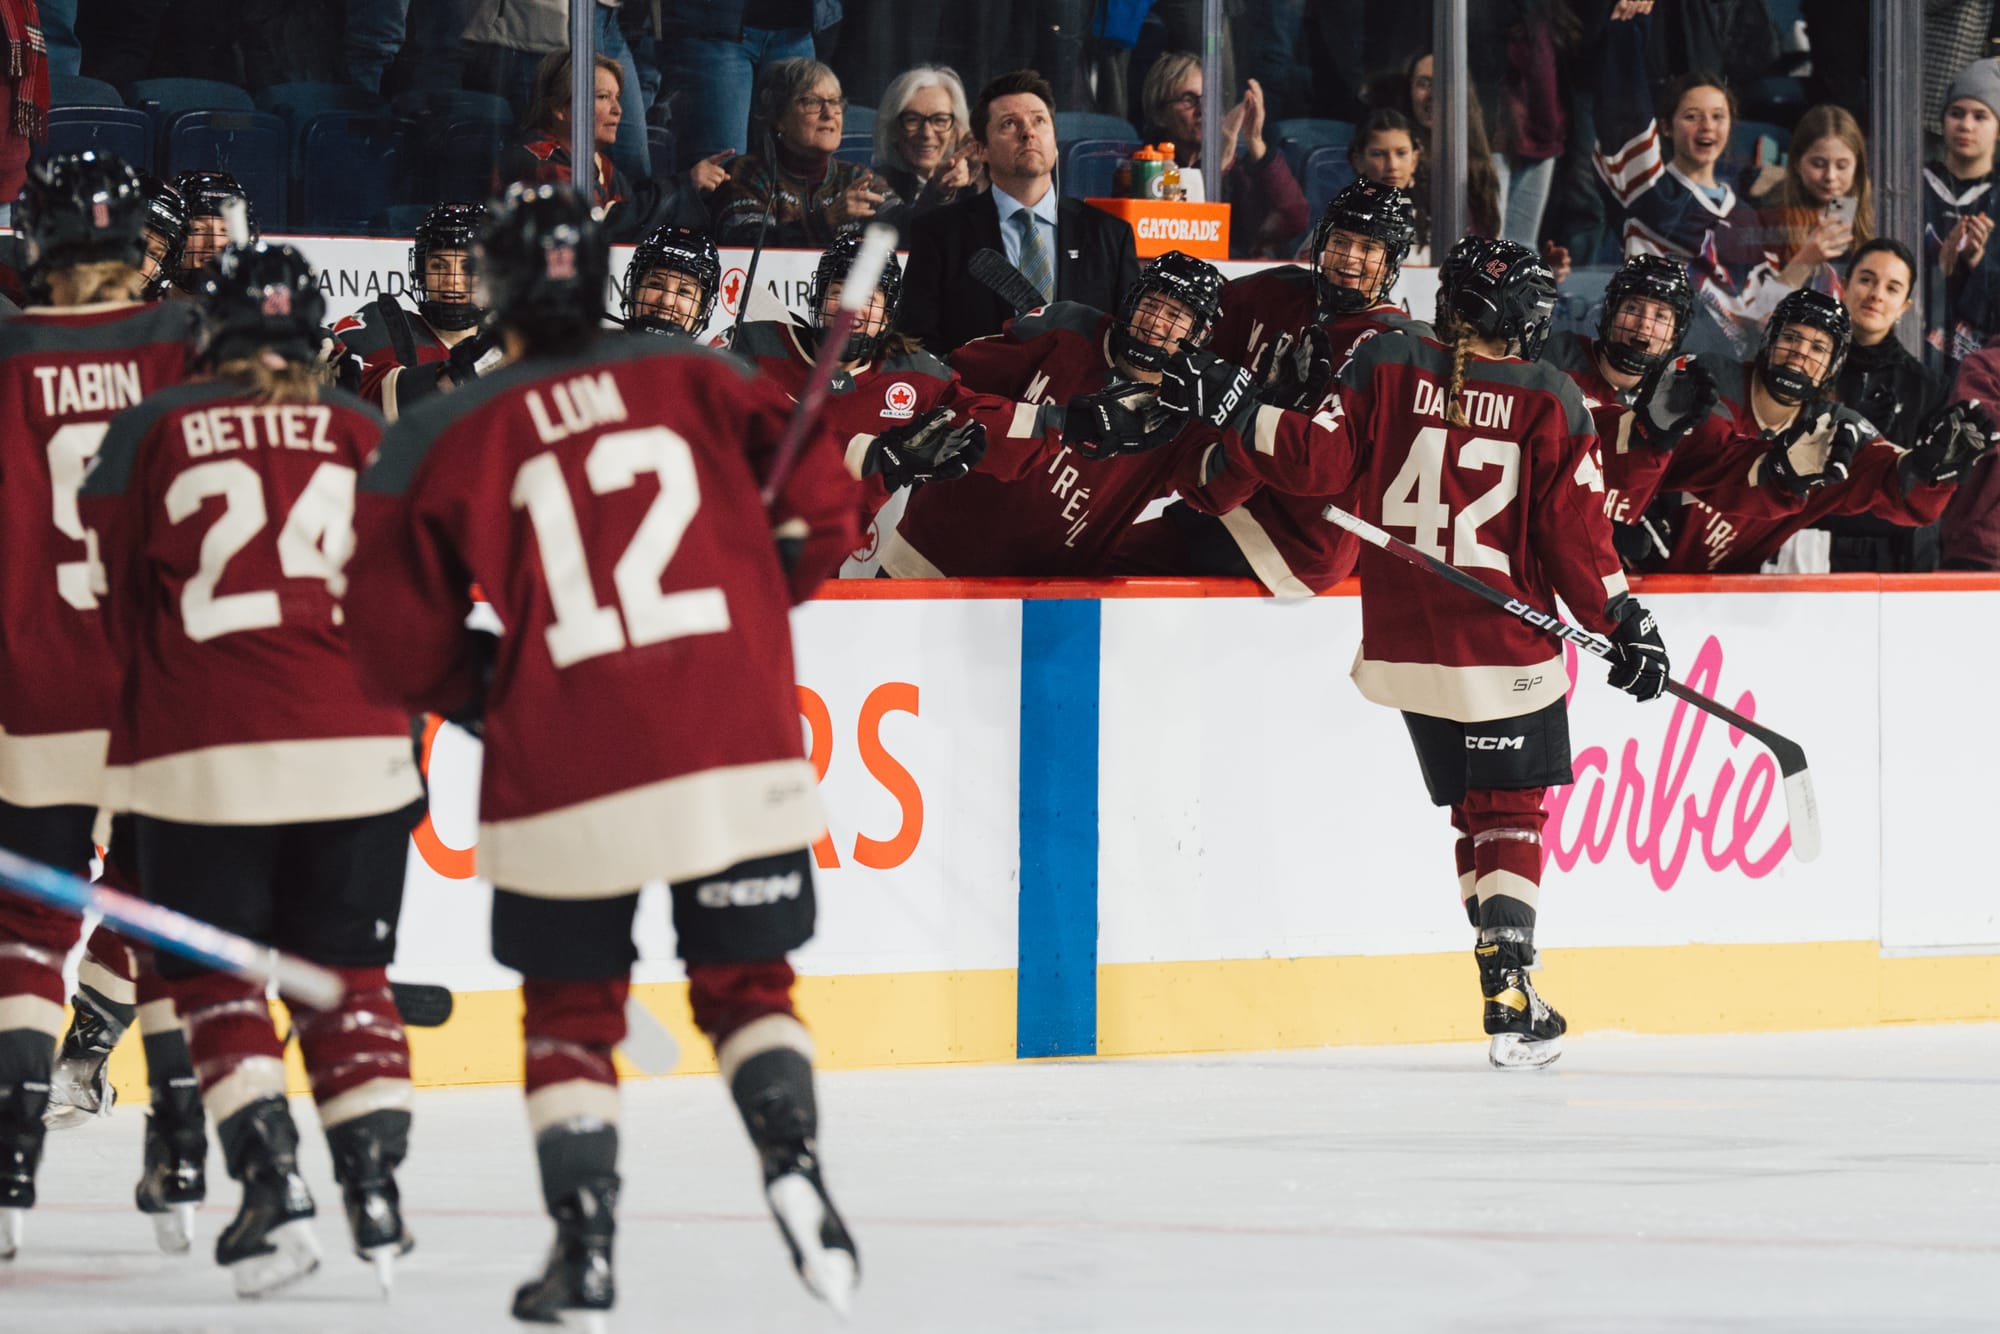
(63, 374)
(640, 718)
(225, 524)
(1033, 507)
(399, 353)
(1515, 498)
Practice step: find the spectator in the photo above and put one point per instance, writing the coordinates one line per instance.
(1115, 32)
(1067, 249)
(1267, 211)
(372, 36)
(1962, 299)
(794, 180)
(923, 137)
(1969, 533)
(59, 31)
(27, 110)
(511, 36)
(1822, 207)
(1891, 388)
(716, 49)
(629, 208)
(1411, 92)
(1513, 50)
(1384, 150)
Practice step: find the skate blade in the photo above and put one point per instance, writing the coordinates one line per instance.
(13, 1227)
(586, 1322)
(1511, 1051)
(295, 1254)
(828, 1272)
(383, 1258)
(174, 1229)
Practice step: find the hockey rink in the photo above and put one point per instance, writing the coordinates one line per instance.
(1835, 1181)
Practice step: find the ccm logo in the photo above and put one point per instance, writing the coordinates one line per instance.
(1180, 229)
(1494, 742)
(752, 893)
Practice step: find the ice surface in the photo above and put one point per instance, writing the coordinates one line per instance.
(1827, 1182)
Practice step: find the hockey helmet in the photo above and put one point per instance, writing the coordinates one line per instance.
(1497, 289)
(1366, 208)
(1816, 310)
(166, 221)
(261, 295)
(543, 264)
(1194, 283)
(81, 207)
(1659, 278)
(209, 196)
(447, 227)
(832, 268)
(670, 249)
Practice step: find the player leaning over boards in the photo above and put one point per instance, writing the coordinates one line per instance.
(1490, 462)
(639, 714)
(269, 797)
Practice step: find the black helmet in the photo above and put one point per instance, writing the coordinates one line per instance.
(674, 250)
(1819, 311)
(1195, 283)
(208, 194)
(543, 263)
(445, 227)
(1366, 208)
(166, 218)
(261, 295)
(1498, 289)
(1655, 276)
(81, 207)
(832, 268)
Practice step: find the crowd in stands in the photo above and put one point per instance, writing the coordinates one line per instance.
(1728, 136)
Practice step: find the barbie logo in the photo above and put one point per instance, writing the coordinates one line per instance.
(1661, 806)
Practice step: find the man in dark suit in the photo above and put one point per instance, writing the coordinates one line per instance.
(1066, 249)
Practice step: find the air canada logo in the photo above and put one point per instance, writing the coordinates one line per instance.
(900, 401)
(278, 301)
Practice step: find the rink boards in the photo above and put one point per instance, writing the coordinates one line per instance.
(1076, 818)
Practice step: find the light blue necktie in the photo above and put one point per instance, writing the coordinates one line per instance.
(1035, 265)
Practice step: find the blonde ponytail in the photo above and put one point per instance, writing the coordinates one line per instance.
(89, 283)
(272, 379)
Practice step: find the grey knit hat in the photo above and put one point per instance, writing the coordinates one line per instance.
(1979, 81)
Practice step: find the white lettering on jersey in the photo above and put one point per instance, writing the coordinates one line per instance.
(1590, 472)
(582, 403)
(1038, 389)
(89, 387)
(1483, 407)
(224, 430)
(1065, 485)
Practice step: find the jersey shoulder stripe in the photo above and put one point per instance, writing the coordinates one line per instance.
(111, 472)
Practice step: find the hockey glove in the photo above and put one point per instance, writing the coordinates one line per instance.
(1203, 386)
(1301, 371)
(1781, 472)
(929, 449)
(485, 652)
(1674, 398)
(1638, 654)
(1125, 418)
(1947, 444)
(475, 356)
(1646, 543)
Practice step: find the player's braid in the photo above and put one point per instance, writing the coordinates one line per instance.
(1461, 348)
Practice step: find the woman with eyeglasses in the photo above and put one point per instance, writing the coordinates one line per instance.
(1268, 213)
(792, 175)
(923, 138)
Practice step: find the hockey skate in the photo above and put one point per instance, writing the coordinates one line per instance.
(1525, 1032)
(175, 1178)
(80, 1087)
(20, 1154)
(576, 1289)
(366, 1153)
(269, 1244)
(774, 1092)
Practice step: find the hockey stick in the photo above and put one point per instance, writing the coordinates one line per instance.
(177, 933)
(1801, 806)
(856, 289)
(756, 253)
(990, 269)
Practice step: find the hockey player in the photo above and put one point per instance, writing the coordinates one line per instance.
(1822, 457)
(1466, 450)
(208, 195)
(1301, 326)
(166, 236)
(1042, 508)
(65, 369)
(669, 661)
(269, 796)
(405, 356)
(672, 284)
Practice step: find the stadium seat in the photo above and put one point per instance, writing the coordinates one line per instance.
(461, 159)
(1297, 137)
(297, 104)
(1327, 173)
(349, 170)
(856, 148)
(1753, 143)
(1072, 126)
(167, 98)
(70, 90)
(399, 220)
(249, 145)
(118, 130)
(1090, 166)
(450, 104)
(859, 120)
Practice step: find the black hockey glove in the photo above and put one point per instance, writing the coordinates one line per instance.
(485, 651)
(1675, 397)
(1301, 371)
(1645, 544)
(1125, 418)
(1203, 386)
(1638, 654)
(929, 449)
(1779, 470)
(1947, 444)
(472, 357)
